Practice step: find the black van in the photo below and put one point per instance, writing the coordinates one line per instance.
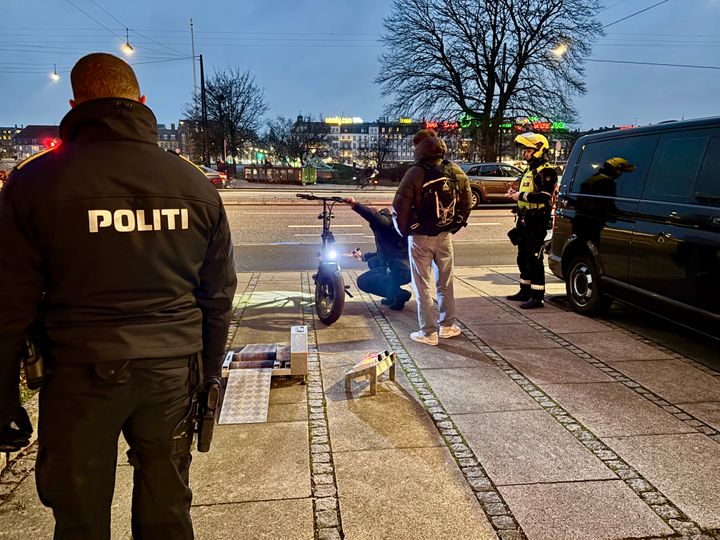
(638, 220)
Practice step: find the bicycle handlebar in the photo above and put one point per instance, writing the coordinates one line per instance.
(311, 197)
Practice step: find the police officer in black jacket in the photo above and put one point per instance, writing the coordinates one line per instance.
(389, 266)
(534, 201)
(129, 248)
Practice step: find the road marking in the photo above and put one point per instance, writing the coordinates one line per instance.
(319, 225)
(338, 234)
(479, 224)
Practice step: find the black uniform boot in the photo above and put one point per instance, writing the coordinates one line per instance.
(400, 300)
(522, 295)
(536, 300)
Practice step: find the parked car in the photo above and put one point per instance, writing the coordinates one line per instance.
(489, 182)
(638, 220)
(218, 179)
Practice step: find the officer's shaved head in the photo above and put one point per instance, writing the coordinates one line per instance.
(101, 75)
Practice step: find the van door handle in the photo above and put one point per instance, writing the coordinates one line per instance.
(661, 237)
(715, 220)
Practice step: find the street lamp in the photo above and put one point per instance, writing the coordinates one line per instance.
(54, 75)
(127, 48)
(560, 50)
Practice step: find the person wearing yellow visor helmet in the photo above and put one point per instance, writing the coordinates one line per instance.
(537, 185)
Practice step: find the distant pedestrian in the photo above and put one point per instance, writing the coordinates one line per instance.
(389, 267)
(537, 186)
(119, 255)
(432, 202)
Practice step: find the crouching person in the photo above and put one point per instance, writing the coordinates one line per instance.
(389, 267)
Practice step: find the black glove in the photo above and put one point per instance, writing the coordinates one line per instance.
(15, 435)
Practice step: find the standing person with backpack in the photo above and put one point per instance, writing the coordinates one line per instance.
(432, 202)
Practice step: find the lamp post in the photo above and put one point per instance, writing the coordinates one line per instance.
(221, 105)
(203, 113)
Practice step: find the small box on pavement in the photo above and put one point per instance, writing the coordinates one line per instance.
(298, 350)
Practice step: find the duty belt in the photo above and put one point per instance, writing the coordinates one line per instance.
(532, 211)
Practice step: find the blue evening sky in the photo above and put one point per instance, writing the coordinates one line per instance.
(320, 56)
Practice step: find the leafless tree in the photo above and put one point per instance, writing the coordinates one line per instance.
(376, 153)
(299, 139)
(235, 106)
(487, 59)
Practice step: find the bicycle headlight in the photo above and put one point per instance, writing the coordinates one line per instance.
(331, 254)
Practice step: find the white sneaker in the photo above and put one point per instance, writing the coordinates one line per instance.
(450, 331)
(421, 337)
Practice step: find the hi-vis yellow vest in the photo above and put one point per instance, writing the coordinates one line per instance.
(527, 185)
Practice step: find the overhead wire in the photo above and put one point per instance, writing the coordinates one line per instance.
(135, 31)
(634, 14)
(664, 64)
(91, 17)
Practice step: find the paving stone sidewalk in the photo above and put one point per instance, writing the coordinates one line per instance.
(539, 425)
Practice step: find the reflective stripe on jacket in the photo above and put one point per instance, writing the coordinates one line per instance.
(527, 185)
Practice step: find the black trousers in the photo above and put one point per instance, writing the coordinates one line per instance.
(531, 237)
(381, 283)
(83, 410)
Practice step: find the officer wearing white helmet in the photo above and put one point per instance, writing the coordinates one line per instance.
(533, 218)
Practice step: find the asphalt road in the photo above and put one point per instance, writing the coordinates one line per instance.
(285, 237)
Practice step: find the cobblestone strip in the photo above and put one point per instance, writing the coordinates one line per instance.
(328, 524)
(660, 348)
(485, 490)
(650, 495)
(639, 337)
(665, 509)
(239, 305)
(675, 410)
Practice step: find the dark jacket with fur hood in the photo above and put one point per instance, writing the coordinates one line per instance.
(430, 150)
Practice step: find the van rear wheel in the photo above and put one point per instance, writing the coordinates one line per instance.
(584, 287)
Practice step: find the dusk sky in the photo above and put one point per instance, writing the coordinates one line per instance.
(320, 56)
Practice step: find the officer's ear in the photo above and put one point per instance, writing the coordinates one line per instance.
(142, 99)
(72, 103)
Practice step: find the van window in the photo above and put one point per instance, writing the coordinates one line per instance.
(708, 183)
(676, 166)
(615, 167)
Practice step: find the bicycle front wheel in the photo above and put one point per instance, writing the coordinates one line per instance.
(329, 296)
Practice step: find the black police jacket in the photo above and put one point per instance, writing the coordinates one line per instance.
(129, 243)
(391, 247)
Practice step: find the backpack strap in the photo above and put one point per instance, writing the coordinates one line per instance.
(450, 170)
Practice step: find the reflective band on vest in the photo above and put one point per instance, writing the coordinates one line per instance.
(527, 185)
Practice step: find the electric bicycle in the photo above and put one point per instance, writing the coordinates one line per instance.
(330, 289)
